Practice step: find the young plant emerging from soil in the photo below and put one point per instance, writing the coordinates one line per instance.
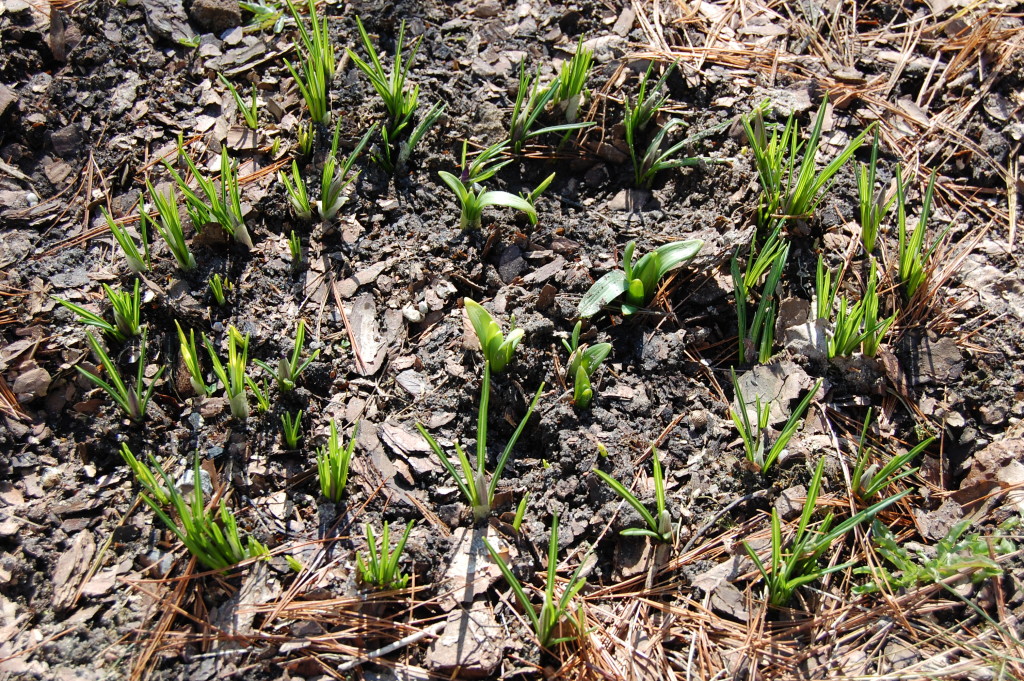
(496, 348)
(133, 401)
(332, 463)
(659, 525)
(380, 567)
(583, 363)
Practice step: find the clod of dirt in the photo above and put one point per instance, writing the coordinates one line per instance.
(216, 15)
(777, 384)
(471, 572)
(998, 466)
(468, 645)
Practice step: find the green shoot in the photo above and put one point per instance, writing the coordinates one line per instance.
(659, 526)
(572, 79)
(169, 226)
(305, 135)
(260, 393)
(484, 165)
(637, 118)
(233, 376)
(531, 197)
(795, 563)
(335, 177)
(145, 475)
(654, 159)
(858, 326)
(399, 101)
(913, 258)
(223, 207)
(869, 478)
(298, 197)
(496, 348)
(825, 290)
(127, 309)
(872, 208)
(218, 285)
(637, 281)
(295, 248)
(291, 429)
(953, 555)
(583, 362)
(517, 521)
(250, 111)
(317, 63)
(552, 611)
(289, 368)
(380, 567)
(137, 262)
(332, 463)
(217, 545)
(474, 484)
(474, 198)
(133, 401)
(190, 356)
(755, 434)
(406, 148)
(531, 101)
(757, 337)
(265, 15)
(786, 196)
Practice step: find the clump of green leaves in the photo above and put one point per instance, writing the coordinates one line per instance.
(218, 285)
(336, 176)
(317, 63)
(289, 368)
(332, 463)
(132, 401)
(791, 189)
(531, 197)
(953, 554)
(291, 429)
(757, 336)
(190, 356)
(127, 310)
(474, 484)
(913, 256)
(168, 223)
(531, 100)
(871, 477)
(298, 197)
(659, 525)
(637, 281)
(858, 326)
(399, 100)
(484, 165)
(572, 79)
(380, 567)
(233, 376)
(583, 362)
(211, 536)
(390, 161)
(137, 262)
(873, 208)
(473, 198)
(496, 348)
(794, 563)
(223, 205)
(147, 476)
(552, 610)
(755, 434)
(250, 110)
(295, 248)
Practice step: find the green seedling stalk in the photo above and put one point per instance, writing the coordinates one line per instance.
(133, 401)
(137, 262)
(380, 567)
(291, 429)
(250, 111)
(169, 226)
(290, 367)
(400, 102)
(474, 198)
(659, 524)
(531, 101)
(298, 198)
(233, 377)
(190, 356)
(754, 437)
(333, 463)
(496, 348)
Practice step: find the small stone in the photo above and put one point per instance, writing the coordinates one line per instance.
(66, 140)
(216, 15)
(790, 503)
(469, 644)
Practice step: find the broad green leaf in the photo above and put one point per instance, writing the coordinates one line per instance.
(604, 290)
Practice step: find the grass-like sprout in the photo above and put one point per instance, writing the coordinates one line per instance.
(295, 248)
(755, 434)
(291, 429)
(517, 521)
(784, 194)
(289, 368)
(336, 176)
(485, 164)
(127, 310)
(531, 197)
(211, 536)
(224, 206)
(250, 111)
(305, 135)
(857, 326)
(266, 16)
(496, 348)
(233, 376)
(145, 475)
(648, 103)
(637, 282)
(298, 197)
(474, 198)
(531, 100)
(190, 356)
(583, 362)
(795, 563)
(380, 567)
(317, 63)
(873, 208)
(757, 337)
(137, 262)
(659, 525)
(406, 148)
(952, 555)
(168, 223)
(218, 285)
(332, 463)
(261, 394)
(399, 101)
(133, 401)
(913, 256)
(572, 80)
(826, 286)
(869, 478)
(552, 610)
(474, 485)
